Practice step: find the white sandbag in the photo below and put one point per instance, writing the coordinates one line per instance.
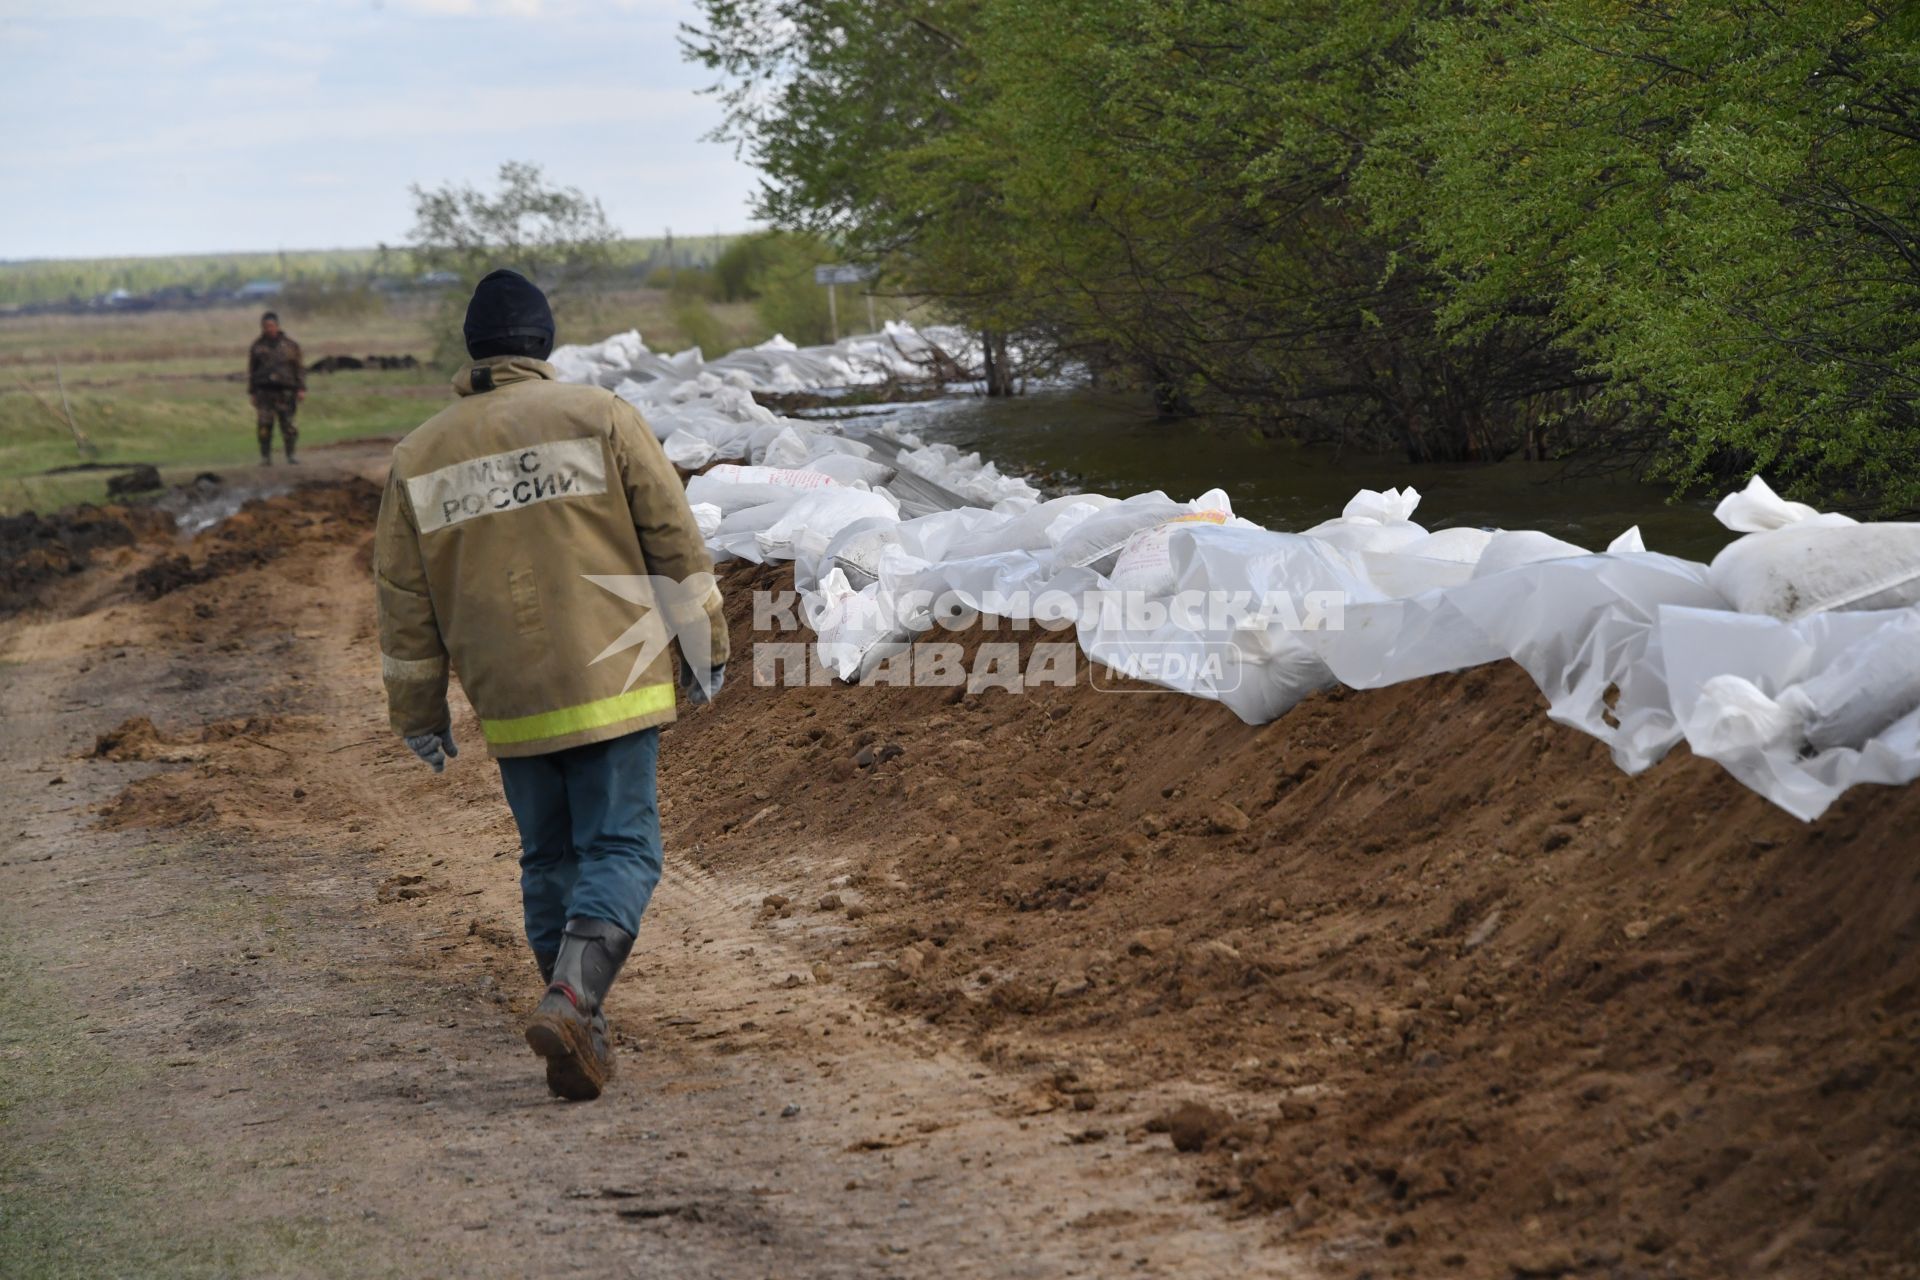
(738, 533)
(1251, 660)
(1757, 508)
(731, 486)
(1145, 563)
(788, 449)
(849, 469)
(808, 525)
(706, 517)
(1511, 548)
(965, 474)
(1752, 691)
(1803, 569)
(687, 451)
(1628, 543)
(1374, 520)
(1400, 574)
(854, 550)
(1029, 530)
(1587, 629)
(1460, 545)
(824, 443)
(1795, 561)
(1871, 685)
(854, 629)
(1095, 541)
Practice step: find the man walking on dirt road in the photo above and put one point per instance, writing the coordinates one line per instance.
(503, 515)
(276, 383)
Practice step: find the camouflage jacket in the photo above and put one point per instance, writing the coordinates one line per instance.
(273, 364)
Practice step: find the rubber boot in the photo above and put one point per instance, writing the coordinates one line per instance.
(291, 460)
(266, 458)
(546, 960)
(568, 1028)
(603, 1038)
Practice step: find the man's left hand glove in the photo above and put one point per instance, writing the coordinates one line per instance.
(696, 695)
(434, 748)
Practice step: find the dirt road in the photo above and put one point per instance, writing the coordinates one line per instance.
(1408, 983)
(263, 983)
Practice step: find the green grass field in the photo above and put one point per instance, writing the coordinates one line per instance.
(56, 279)
(168, 387)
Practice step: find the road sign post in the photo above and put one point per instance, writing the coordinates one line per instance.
(839, 274)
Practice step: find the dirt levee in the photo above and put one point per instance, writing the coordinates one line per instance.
(37, 550)
(1414, 978)
(1452, 987)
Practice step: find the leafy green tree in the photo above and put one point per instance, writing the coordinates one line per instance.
(858, 112)
(558, 237)
(1717, 206)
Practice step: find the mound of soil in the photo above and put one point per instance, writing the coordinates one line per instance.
(138, 738)
(317, 511)
(1458, 997)
(334, 364)
(1414, 972)
(36, 550)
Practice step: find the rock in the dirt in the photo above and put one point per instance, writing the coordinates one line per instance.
(1482, 931)
(1217, 960)
(830, 902)
(141, 479)
(1150, 942)
(1227, 819)
(865, 757)
(1192, 1125)
(909, 961)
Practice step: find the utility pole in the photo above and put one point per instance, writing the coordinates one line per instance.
(834, 276)
(80, 442)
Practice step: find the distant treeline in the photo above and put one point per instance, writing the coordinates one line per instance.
(80, 280)
(1684, 237)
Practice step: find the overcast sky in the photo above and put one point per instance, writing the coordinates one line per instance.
(186, 126)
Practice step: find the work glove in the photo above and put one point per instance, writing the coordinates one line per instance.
(434, 748)
(696, 695)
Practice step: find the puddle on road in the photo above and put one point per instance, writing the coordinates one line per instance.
(209, 499)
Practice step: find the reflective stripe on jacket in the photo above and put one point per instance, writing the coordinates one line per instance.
(534, 534)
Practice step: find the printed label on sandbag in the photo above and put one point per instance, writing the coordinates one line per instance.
(1146, 564)
(508, 482)
(779, 477)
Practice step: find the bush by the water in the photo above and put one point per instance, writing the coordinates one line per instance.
(1684, 237)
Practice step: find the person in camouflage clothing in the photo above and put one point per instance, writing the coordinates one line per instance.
(276, 383)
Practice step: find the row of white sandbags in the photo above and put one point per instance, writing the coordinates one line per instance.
(1790, 660)
(899, 351)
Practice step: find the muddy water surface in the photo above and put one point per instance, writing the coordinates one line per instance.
(1105, 443)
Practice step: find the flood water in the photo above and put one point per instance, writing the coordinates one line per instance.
(1107, 444)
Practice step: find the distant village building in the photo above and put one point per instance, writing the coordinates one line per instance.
(256, 290)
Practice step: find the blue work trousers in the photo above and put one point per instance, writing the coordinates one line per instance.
(589, 834)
